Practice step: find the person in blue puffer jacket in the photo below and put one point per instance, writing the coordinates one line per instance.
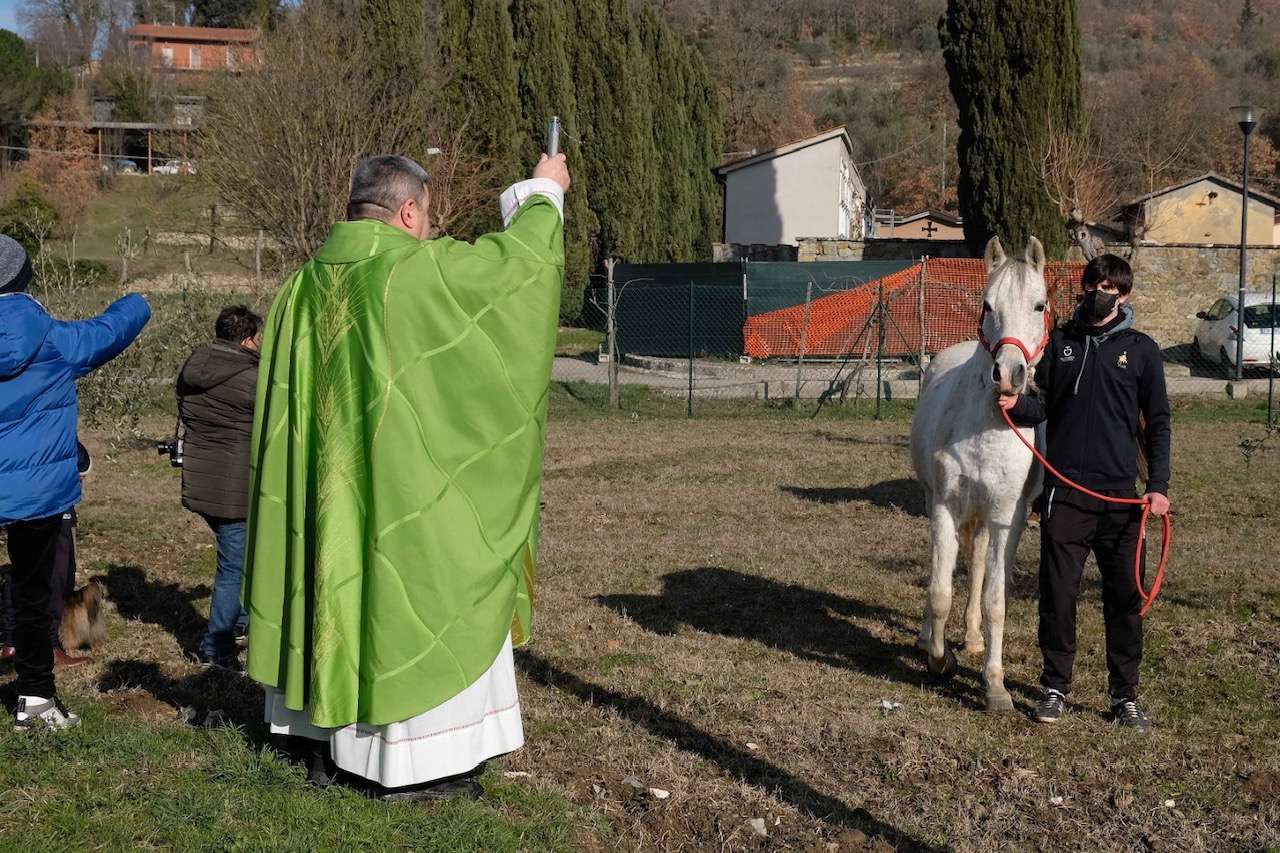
(40, 360)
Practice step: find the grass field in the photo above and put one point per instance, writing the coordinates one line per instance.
(724, 608)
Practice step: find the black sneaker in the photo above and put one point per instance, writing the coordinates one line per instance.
(453, 789)
(230, 663)
(241, 635)
(1051, 706)
(1129, 714)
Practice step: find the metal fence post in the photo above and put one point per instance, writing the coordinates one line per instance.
(1271, 378)
(611, 334)
(689, 409)
(879, 343)
(804, 332)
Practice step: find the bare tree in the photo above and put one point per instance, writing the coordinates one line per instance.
(65, 32)
(1080, 182)
(280, 142)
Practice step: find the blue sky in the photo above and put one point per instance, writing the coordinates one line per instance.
(8, 19)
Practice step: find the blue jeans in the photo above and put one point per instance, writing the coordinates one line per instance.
(225, 612)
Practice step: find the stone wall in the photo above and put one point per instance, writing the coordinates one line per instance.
(727, 253)
(1172, 283)
(879, 249)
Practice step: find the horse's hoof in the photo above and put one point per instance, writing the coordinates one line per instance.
(945, 668)
(999, 703)
(922, 643)
(975, 649)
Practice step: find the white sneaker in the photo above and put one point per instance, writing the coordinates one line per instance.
(35, 712)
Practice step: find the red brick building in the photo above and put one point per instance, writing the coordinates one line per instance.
(195, 48)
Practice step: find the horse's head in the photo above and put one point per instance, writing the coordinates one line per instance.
(1013, 326)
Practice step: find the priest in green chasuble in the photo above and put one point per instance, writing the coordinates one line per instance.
(396, 468)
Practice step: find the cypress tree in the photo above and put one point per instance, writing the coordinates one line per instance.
(596, 118)
(702, 102)
(1014, 71)
(675, 152)
(394, 36)
(545, 88)
(477, 51)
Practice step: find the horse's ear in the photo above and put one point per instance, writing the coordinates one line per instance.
(1035, 255)
(994, 253)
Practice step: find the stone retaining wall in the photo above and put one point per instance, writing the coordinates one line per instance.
(1172, 283)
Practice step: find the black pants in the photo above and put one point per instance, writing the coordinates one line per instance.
(62, 583)
(33, 547)
(1073, 524)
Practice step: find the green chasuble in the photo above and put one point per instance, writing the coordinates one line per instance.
(396, 465)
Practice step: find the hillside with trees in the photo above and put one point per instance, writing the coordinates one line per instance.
(1158, 79)
(706, 81)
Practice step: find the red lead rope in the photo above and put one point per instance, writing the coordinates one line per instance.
(1147, 598)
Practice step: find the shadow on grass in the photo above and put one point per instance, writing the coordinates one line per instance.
(736, 763)
(903, 493)
(890, 440)
(162, 603)
(810, 624)
(239, 698)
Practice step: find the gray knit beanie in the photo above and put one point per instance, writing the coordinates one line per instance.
(15, 266)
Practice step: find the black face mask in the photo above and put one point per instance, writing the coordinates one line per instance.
(1098, 305)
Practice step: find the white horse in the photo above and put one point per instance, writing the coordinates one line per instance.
(977, 475)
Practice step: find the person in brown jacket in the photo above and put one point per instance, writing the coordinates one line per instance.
(216, 389)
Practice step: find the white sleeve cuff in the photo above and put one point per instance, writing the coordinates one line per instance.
(517, 194)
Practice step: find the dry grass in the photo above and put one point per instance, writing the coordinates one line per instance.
(723, 606)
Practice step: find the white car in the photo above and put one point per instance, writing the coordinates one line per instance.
(1215, 338)
(175, 167)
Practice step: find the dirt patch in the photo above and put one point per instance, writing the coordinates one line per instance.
(139, 704)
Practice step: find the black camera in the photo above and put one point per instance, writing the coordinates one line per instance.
(172, 449)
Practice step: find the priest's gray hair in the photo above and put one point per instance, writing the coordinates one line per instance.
(381, 184)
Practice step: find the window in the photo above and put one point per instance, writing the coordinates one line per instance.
(166, 57)
(1220, 310)
(231, 59)
(195, 57)
(848, 202)
(1261, 316)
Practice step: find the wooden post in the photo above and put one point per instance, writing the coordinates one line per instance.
(186, 263)
(213, 225)
(920, 363)
(126, 249)
(99, 149)
(148, 152)
(257, 255)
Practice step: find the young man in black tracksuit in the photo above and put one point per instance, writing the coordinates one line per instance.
(1095, 379)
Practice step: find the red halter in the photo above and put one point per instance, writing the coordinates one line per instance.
(1029, 356)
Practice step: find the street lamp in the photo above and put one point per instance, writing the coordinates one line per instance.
(1247, 117)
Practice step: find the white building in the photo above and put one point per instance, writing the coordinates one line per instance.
(809, 188)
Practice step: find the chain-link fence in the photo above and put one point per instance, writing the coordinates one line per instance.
(1222, 346)
(785, 331)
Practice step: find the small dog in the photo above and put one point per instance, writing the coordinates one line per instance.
(83, 622)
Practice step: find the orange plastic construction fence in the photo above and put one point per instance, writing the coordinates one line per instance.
(925, 309)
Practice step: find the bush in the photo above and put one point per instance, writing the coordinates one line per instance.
(814, 50)
(1266, 61)
(29, 216)
(118, 394)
